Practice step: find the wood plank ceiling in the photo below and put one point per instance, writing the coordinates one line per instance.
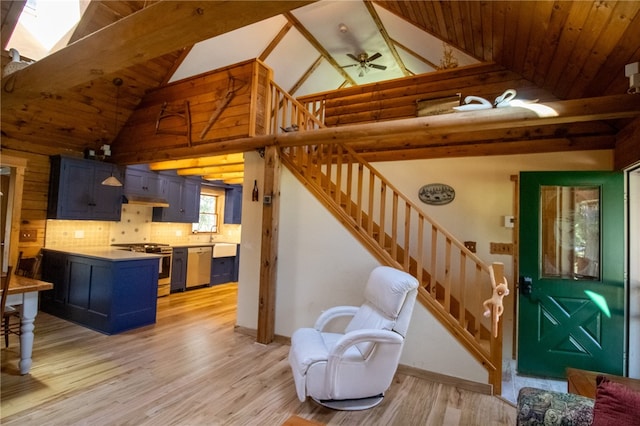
(573, 49)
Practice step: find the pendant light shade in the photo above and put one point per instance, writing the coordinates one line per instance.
(112, 181)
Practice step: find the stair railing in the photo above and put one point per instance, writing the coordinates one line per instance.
(454, 280)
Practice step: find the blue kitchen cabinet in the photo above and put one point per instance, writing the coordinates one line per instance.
(179, 270)
(233, 204)
(139, 180)
(183, 195)
(222, 270)
(76, 191)
(106, 296)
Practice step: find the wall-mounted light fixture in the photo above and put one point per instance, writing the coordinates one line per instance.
(632, 71)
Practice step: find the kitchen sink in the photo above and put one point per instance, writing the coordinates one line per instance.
(224, 249)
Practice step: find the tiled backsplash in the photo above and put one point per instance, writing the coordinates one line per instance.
(135, 226)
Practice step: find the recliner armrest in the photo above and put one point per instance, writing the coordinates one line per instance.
(333, 313)
(361, 336)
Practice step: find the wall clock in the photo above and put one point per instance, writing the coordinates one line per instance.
(436, 194)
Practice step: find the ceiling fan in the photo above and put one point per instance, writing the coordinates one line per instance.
(364, 61)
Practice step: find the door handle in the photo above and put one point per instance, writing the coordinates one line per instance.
(526, 285)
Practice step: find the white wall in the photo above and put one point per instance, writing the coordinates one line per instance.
(320, 264)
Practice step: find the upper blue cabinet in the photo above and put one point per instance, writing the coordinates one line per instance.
(140, 181)
(233, 204)
(183, 195)
(76, 191)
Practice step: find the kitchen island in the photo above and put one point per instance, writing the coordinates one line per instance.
(105, 289)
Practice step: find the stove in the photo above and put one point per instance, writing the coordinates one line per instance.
(145, 247)
(164, 271)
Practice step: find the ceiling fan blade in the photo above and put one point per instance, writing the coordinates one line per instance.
(379, 67)
(375, 56)
(350, 65)
(353, 57)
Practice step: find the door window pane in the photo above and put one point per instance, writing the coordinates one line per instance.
(570, 231)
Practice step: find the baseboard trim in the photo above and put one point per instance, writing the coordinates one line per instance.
(252, 332)
(483, 388)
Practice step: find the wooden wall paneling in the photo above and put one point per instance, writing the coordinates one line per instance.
(552, 35)
(14, 207)
(459, 24)
(34, 199)
(536, 43)
(626, 51)
(627, 151)
(476, 24)
(523, 33)
(511, 19)
(486, 14)
(205, 94)
(598, 23)
(578, 14)
(443, 18)
(498, 24)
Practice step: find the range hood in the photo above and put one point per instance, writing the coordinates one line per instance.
(145, 201)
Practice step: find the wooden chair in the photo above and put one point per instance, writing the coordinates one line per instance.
(8, 312)
(28, 266)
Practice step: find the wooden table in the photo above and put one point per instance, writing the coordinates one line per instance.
(24, 291)
(583, 382)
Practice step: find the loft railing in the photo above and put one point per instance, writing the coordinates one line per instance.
(454, 281)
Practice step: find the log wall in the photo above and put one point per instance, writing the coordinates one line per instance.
(395, 99)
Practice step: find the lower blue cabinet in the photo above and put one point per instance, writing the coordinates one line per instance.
(222, 270)
(106, 296)
(179, 270)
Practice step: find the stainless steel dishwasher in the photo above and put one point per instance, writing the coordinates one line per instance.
(198, 266)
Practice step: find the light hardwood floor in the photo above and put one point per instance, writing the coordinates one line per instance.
(192, 368)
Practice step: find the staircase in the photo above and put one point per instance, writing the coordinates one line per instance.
(454, 281)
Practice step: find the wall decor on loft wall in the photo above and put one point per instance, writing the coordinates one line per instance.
(436, 194)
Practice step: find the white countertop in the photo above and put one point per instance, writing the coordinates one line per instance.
(105, 253)
(200, 244)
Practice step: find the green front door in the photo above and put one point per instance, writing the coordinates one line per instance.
(571, 295)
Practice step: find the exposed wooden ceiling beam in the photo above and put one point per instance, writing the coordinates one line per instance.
(223, 176)
(316, 44)
(305, 76)
(216, 160)
(10, 19)
(385, 36)
(161, 28)
(211, 170)
(276, 40)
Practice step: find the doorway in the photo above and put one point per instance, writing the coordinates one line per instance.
(571, 302)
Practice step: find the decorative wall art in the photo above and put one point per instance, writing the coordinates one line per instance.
(436, 194)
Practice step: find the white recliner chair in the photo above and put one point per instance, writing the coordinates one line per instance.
(353, 369)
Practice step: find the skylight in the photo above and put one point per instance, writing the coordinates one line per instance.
(45, 26)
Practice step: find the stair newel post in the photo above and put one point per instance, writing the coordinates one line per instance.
(500, 289)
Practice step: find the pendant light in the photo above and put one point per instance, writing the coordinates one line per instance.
(112, 180)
